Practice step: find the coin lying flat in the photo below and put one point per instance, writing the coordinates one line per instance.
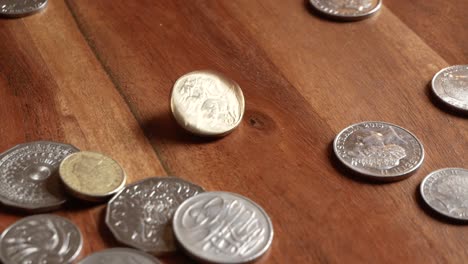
(347, 9)
(451, 86)
(19, 8)
(40, 239)
(140, 215)
(91, 176)
(446, 191)
(380, 150)
(120, 256)
(207, 104)
(29, 178)
(223, 227)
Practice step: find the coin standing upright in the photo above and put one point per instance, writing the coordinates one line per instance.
(207, 103)
(379, 150)
(29, 175)
(41, 239)
(21, 8)
(223, 227)
(92, 176)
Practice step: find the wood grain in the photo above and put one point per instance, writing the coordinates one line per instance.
(98, 74)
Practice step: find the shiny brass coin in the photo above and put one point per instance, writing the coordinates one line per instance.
(91, 176)
(207, 103)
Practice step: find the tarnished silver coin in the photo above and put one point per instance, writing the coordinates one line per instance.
(40, 239)
(451, 86)
(120, 256)
(446, 191)
(223, 227)
(347, 9)
(140, 215)
(207, 104)
(19, 8)
(380, 150)
(29, 175)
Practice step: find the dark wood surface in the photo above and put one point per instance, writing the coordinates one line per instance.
(98, 74)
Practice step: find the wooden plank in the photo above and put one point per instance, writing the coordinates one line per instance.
(441, 24)
(53, 88)
(304, 79)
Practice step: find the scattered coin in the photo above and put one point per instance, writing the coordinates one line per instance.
(40, 239)
(91, 176)
(140, 215)
(29, 178)
(446, 191)
(380, 150)
(347, 9)
(120, 256)
(223, 227)
(451, 86)
(20, 8)
(207, 104)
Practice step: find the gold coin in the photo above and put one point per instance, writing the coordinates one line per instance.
(91, 176)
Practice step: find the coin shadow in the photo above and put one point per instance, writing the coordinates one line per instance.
(164, 127)
(352, 175)
(434, 214)
(105, 232)
(439, 103)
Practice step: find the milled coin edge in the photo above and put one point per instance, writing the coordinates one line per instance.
(351, 18)
(25, 14)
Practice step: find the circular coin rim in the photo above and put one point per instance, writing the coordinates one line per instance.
(35, 208)
(392, 177)
(215, 193)
(87, 259)
(116, 234)
(23, 14)
(203, 132)
(88, 196)
(370, 13)
(426, 199)
(80, 236)
(439, 91)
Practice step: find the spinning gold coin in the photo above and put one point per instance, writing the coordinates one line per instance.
(91, 176)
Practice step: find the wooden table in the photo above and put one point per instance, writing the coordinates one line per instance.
(98, 74)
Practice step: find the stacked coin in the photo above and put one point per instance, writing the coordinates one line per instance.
(207, 103)
(379, 150)
(16, 8)
(348, 10)
(450, 85)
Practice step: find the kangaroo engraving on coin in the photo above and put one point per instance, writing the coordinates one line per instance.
(451, 86)
(379, 149)
(140, 215)
(28, 175)
(19, 8)
(347, 9)
(446, 191)
(40, 239)
(207, 103)
(223, 227)
(120, 256)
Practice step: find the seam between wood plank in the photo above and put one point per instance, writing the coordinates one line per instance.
(115, 83)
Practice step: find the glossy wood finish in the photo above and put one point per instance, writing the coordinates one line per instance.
(97, 74)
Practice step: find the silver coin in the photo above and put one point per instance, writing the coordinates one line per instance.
(380, 150)
(347, 9)
(140, 215)
(40, 239)
(29, 175)
(223, 227)
(451, 86)
(446, 191)
(19, 8)
(207, 103)
(120, 256)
